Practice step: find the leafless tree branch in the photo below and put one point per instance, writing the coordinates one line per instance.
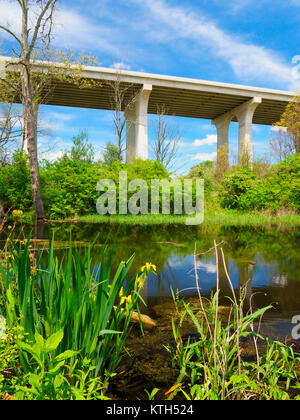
(122, 98)
(165, 145)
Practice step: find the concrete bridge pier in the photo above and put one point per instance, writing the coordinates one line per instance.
(244, 115)
(137, 126)
(222, 125)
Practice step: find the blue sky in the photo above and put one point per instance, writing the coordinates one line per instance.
(241, 41)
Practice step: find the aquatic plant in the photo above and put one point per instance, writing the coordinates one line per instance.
(52, 378)
(73, 297)
(212, 366)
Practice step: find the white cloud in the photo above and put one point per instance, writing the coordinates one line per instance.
(50, 155)
(61, 116)
(248, 61)
(207, 141)
(121, 66)
(165, 23)
(78, 31)
(71, 28)
(10, 15)
(208, 267)
(202, 157)
(279, 129)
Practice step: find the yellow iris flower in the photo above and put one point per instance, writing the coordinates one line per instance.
(124, 299)
(148, 267)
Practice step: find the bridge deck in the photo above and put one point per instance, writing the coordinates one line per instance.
(182, 97)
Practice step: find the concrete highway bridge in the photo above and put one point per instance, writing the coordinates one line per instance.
(219, 102)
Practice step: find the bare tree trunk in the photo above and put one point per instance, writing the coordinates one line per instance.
(30, 126)
(24, 135)
(30, 129)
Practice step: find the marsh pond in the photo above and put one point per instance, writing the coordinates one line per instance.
(265, 262)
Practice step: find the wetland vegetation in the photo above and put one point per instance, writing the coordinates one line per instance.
(68, 311)
(140, 306)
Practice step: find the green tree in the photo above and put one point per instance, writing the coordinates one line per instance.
(15, 189)
(82, 150)
(35, 30)
(291, 120)
(111, 154)
(22, 80)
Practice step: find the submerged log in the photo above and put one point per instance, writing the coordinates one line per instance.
(148, 323)
(172, 244)
(244, 261)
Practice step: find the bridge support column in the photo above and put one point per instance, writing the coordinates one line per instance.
(244, 114)
(137, 126)
(222, 125)
(245, 117)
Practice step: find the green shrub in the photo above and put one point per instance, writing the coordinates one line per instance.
(207, 172)
(234, 185)
(69, 187)
(10, 373)
(279, 188)
(55, 378)
(15, 186)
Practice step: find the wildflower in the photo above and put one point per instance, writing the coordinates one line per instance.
(127, 299)
(33, 270)
(139, 281)
(148, 267)
(17, 213)
(124, 299)
(9, 227)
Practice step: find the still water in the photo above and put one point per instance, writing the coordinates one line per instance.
(265, 262)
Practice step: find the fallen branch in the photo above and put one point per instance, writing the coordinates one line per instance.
(171, 243)
(147, 322)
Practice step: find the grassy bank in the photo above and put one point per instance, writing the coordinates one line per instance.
(226, 219)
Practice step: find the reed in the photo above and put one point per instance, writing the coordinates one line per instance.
(91, 304)
(212, 366)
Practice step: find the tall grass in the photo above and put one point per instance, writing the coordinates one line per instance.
(212, 219)
(212, 367)
(93, 306)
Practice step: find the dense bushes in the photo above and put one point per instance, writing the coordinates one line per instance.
(207, 172)
(69, 184)
(279, 188)
(15, 188)
(69, 187)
